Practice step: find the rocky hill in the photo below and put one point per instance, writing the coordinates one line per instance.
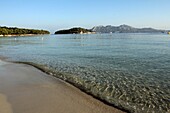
(124, 29)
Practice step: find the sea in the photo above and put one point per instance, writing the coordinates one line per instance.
(125, 70)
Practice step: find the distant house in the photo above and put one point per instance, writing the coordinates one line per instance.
(81, 32)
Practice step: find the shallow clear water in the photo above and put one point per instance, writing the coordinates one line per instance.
(130, 71)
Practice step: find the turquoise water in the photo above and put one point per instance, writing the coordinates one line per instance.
(130, 71)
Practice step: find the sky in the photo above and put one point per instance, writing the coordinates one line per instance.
(54, 15)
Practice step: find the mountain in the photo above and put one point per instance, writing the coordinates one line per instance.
(124, 29)
(74, 31)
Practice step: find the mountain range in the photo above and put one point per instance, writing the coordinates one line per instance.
(125, 29)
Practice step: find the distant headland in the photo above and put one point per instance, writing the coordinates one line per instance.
(111, 29)
(14, 31)
(75, 31)
(126, 29)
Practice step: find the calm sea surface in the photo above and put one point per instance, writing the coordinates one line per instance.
(130, 71)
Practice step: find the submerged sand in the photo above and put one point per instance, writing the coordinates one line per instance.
(25, 89)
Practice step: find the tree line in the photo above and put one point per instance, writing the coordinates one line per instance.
(20, 31)
(73, 31)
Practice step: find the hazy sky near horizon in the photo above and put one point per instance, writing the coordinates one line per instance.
(58, 14)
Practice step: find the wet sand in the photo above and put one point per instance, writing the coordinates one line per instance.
(25, 89)
(5, 107)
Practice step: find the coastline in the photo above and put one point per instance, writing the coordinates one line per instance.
(29, 89)
(22, 35)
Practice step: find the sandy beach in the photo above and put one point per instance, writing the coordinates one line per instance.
(25, 89)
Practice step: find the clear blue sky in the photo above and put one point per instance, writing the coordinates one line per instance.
(58, 14)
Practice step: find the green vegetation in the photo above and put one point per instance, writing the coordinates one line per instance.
(20, 31)
(73, 31)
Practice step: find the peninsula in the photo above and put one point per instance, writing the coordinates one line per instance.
(75, 31)
(14, 31)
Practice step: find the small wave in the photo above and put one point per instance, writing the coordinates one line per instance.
(120, 95)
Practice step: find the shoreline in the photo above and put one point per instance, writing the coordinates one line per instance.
(22, 35)
(58, 76)
(83, 100)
